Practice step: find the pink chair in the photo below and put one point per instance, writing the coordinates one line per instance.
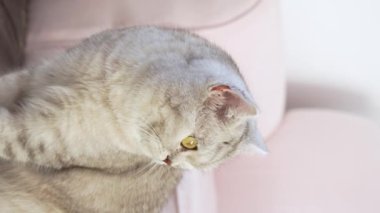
(320, 160)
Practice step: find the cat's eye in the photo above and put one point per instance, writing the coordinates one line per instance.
(189, 143)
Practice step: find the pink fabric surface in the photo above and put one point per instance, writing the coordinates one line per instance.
(319, 161)
(53, 19)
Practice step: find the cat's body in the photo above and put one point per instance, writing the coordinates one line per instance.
(84, 190)
(103, 119)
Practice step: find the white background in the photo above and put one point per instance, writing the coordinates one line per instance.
(332, 50)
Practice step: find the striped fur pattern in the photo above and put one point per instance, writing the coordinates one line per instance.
(90, 130)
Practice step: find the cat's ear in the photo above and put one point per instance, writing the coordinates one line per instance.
(229, 103)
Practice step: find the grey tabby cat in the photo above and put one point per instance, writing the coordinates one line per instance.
(109, 125)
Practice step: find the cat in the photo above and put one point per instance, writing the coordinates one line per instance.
(110, 125)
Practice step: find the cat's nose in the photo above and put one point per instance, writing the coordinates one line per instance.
(167, 161)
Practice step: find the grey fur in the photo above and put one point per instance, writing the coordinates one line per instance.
(96, 123)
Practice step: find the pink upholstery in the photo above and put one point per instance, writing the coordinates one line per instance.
(320, 161)
(74, 15)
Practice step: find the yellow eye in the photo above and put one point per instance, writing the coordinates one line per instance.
(189, 143)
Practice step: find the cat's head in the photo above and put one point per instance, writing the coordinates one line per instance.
(206, 135)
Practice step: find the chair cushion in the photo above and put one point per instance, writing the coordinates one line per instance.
(319, 161)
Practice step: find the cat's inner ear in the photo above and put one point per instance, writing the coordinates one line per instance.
(229, 103)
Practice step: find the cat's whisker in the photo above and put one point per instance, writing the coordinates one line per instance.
(154, 131)
(148, 129)
(145, 169)
(140, 171)
(151, 169)
(147, 133)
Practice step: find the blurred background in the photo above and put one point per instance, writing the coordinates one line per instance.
(332, 54)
